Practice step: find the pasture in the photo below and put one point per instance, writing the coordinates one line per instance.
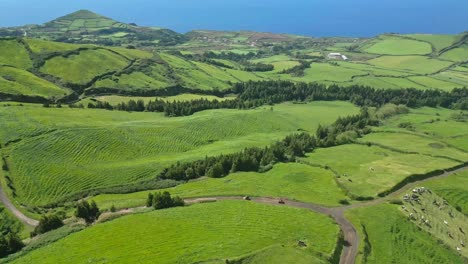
(82, 68)
(14, 54)
(206, 232)
(437, 41)
(454, 189)
(392, 45)
(456, 54)
(17, 81)
(387, 236)
(116, 99)
(412, 143)
(84, 149)
(288, 180)
(438, 218)
(414, 64)
(366, 171)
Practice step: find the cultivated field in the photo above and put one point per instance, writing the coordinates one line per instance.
(83, 149)
(206, 232)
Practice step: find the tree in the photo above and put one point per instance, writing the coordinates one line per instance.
(164, 200)
(10, 244)
(149, 200)
(89, 212)
(47, 223)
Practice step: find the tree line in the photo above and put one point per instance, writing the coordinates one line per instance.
(254, 94)
(163, 200)
(255, 159)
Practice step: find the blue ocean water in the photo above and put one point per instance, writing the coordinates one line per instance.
(305, 17)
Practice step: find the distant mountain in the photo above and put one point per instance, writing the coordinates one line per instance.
(85, 26)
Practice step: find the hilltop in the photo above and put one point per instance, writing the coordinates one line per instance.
(84, 26)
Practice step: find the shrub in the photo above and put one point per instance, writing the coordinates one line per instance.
(46, 224)
(89, 212)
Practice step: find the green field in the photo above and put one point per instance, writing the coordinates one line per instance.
(437, 41)
(390, 45)
(457, 54)
(366, 171)
(17, 81)
(416, 144)
(454, 189)
(116, 99)
(82, 149)
(293, 181)
(204, 232)
(14, 54)
(438, 123)
(82, 68)
(44, 46)
(415, 64)
(390, 238)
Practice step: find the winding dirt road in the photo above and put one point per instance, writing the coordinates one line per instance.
(9, 205)
(350, 249)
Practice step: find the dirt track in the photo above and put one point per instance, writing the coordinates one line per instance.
(350, 250)
(7, 203)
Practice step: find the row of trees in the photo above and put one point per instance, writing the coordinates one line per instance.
(254, 94)
(163, 200)
(250, 159)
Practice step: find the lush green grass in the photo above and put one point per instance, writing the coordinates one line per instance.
(294, 181)
(281, 255)
(193, 76)
(17, 81)
(83, 67)
(416, 143)
(438, 123)
(366, 171)
(82, 149)
(132, 81)
(133, 53)
(116, 99)
(202, 232)
(457, 54)
(454, 189)
(328, 72)
(44, 46)
(437, 41)
(14, 54)
(436, 214)
(415, 64)
(430, 82)
(399, 46)
(391, 238)
(377, 71)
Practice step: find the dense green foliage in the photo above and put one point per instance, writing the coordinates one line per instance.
(9, 244)
(88, 211)
(253, 94)
(47, 223)
(163, 200)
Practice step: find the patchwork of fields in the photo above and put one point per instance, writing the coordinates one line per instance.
(51, 154)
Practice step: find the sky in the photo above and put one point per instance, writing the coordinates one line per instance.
(357, 18)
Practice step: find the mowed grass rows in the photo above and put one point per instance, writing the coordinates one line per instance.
(121, 148)
(206, 232)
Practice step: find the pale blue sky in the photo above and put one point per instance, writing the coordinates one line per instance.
(307, 17)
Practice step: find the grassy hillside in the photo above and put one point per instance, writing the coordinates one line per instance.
(387, 236)
(366, 171)
(87, 149)
(454, 189)
(294, 181)
(14, 54)
(393, 45)
(205, 232)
